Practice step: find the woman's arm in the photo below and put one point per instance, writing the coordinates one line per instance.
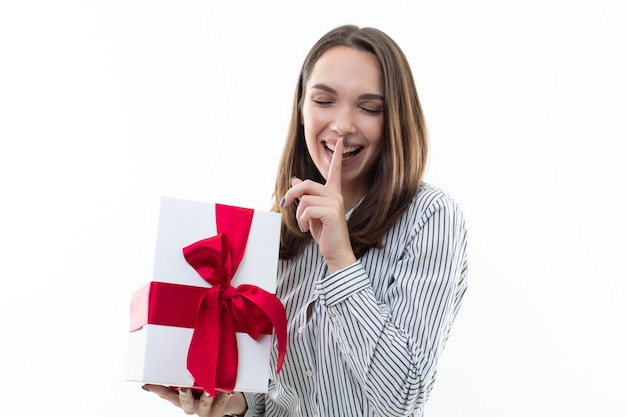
(391, 343)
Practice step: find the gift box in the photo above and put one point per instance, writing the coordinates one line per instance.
(206, 314)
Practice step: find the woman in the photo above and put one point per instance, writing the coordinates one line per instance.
(373, 260)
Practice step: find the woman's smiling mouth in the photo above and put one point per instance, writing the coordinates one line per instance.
(348, 151)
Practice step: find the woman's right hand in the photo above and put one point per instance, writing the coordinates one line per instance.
(204, 406)
(321, 211)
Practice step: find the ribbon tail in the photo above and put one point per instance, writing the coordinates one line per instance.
(203, 349)
(229, 353)
(278, 318)
(274, 311)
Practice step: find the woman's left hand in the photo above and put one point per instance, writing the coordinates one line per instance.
(202, 405)
(321, 211)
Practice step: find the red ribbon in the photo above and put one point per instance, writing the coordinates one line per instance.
(223, 309)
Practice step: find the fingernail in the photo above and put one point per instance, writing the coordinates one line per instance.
(345, 140)
(282, 202)
(182, 390)
(291, 179)
(300, 227)
(143, 387)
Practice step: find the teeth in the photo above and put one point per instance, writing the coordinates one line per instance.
(347, 149)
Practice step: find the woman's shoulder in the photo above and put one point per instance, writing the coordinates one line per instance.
(430, 198)
(431, 209)
(428, 194)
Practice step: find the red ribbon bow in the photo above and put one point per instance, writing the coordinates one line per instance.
(223, 309)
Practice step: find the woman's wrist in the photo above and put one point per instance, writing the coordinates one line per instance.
(335, 265)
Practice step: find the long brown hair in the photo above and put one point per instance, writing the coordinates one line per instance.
(393, 181)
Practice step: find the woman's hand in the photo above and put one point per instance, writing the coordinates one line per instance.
(321, 211)
(204, 406)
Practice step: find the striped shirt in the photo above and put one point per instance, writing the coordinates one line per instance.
(365, 340)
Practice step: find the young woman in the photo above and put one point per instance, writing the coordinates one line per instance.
(373, 260)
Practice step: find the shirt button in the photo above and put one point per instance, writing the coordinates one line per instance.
(300, 330)
(334, 319)
(309, 373)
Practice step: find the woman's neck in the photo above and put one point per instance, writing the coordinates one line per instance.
(351, 197)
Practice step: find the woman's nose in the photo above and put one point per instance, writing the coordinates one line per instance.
(343, 121)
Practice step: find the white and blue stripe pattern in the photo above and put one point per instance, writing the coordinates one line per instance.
(365, 341)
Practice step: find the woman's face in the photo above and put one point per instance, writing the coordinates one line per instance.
(344, 97)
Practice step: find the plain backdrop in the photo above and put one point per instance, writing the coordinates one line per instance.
(107, 105)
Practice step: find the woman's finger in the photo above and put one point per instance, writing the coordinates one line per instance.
(334, 171)
(333, 182)
(300, 188)
(287, 198)
(315, 207)
(187, 400)
(164, 392)
(213, 407)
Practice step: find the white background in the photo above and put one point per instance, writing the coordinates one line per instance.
(107, 105)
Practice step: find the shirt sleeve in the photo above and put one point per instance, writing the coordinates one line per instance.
(391, 345)
(256, 404)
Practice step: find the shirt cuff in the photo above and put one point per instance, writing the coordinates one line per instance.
(344, 283)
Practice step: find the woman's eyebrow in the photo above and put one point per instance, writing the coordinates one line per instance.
(372, 97)
(324, 88)
(332, 91)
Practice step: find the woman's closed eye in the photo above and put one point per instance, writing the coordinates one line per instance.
(371, 110)
(322, 102)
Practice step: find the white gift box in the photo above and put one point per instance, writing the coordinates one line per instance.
(157, 354)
